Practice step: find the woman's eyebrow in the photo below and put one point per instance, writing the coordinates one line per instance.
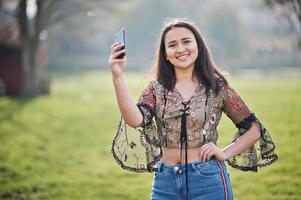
(184, 38)
(173, 41)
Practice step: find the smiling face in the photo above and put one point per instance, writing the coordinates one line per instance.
(181, 48)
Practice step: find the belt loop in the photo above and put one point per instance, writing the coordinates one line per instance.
(159, 166)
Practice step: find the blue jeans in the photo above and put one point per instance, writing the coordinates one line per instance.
(206, 181)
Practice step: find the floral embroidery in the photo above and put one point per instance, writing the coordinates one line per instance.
(132, 145)
(139, 149)
(212, 118)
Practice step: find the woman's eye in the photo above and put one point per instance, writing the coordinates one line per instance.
(171, 45)
(187, 41)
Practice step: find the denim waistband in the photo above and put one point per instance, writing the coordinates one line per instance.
(171, 168)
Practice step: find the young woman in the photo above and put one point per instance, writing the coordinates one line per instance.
(176, 121)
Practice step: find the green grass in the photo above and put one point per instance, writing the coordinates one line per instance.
(58, 146)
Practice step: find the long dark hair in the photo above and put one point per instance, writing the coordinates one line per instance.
(205, 70)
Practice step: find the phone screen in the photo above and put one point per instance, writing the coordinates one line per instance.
(120, 37)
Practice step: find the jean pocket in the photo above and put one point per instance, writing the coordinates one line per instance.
(208, 169)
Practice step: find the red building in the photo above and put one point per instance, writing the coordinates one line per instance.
(10, 70)
(10, 53)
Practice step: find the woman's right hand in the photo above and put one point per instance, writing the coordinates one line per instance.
(117, 65)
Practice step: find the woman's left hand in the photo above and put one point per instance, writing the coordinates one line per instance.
(210, 149)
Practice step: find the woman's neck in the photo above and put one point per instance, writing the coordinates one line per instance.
(184, 75)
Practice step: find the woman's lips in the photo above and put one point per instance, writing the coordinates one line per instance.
(182, 57)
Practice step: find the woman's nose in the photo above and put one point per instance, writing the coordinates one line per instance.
(180, 48)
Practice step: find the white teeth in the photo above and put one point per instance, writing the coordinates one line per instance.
(182, 57)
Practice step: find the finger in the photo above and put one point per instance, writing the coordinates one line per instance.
(209, 151)
(201, 151)
(212, 150)
(114, 61)
(118, 53)
(205, 155)
(115, 44)
(209, 155)
(122, 60)
(204, 147)
(113, 47)
(117, 47)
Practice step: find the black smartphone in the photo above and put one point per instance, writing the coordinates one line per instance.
(120, 37)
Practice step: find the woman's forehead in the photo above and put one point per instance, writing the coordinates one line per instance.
(177, 33)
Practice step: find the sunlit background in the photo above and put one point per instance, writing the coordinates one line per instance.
(244, 35)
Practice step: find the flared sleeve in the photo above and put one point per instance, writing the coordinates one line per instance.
(262, 153)
(138, 149)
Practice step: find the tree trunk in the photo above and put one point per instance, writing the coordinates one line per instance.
(30, 46)
(29, 65)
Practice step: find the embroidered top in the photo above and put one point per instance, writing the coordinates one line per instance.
(163, 114)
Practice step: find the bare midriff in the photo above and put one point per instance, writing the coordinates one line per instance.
(173, 155)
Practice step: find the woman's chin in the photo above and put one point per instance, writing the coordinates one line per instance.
(184, 65)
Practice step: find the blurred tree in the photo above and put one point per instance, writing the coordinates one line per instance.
(291, 11)
(34, 18)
